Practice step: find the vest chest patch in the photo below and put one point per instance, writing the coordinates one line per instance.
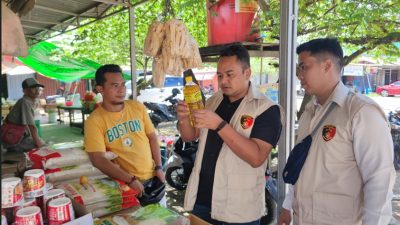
(328, 132)
(246, 121)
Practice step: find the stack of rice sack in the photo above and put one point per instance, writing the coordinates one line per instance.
(101, 196)
(173, 48)
(65, 162)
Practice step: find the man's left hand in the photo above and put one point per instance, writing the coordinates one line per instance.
(207, 119)
(160, 175)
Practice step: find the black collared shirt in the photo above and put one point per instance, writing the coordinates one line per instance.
(267, 127)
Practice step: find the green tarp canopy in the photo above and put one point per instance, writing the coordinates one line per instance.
(48, 60)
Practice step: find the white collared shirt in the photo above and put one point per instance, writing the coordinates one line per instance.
(373, 152)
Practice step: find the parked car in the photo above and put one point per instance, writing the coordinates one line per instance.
(389, 90)
(158, 95)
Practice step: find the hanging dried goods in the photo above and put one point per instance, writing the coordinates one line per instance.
(173, 49)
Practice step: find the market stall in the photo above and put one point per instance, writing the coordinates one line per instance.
(97, 11)
(60, 185)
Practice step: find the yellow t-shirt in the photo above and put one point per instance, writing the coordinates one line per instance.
(125, 134)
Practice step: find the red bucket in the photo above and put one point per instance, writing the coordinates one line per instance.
(29, 216)
(60, 211)
(227, 26)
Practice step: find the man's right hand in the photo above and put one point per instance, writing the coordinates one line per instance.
(138, 186)
(40, 144)
(182, 110)
(285, 217)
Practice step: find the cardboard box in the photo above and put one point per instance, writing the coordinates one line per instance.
(194, 220)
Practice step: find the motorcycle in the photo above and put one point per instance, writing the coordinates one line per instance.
(271, 197)
(394, 119)
(162, 112)
(180, 165)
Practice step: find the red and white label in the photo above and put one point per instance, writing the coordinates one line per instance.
(38, 156)
(34, 183)
(60, 211)
(29, 216)
(52, 194)
(11, 192)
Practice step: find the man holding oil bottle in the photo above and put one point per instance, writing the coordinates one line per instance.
(238, 128)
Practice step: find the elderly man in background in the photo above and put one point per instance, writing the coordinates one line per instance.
(23, 113)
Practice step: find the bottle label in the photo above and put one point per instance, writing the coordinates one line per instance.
(193, 97)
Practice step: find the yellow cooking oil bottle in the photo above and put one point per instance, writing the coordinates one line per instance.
(192, 95)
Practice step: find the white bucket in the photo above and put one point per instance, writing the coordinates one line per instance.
(11, 192)
(27, 202)
(34, 183)
(60, 211)
(50, 195)
(29, 216)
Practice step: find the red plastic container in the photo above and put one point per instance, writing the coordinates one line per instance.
(226, 26)
(68, 103)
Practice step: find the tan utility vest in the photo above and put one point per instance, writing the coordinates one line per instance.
(330, 187)
(238, 191)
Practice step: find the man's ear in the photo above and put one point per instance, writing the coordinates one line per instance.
(328, 65)
(247, 73)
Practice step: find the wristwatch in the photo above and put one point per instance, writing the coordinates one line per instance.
(220, 126)
(158, 167)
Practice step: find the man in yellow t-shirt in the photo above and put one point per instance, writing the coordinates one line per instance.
(123, 127)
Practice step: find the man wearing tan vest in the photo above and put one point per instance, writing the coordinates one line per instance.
(348, 175)
(237, 130)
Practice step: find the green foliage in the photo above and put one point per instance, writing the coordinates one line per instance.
(362, 26)
(107, 40)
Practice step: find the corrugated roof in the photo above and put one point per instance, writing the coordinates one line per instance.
(49, 18)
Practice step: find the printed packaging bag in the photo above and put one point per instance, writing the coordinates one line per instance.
(153, 214)
(113, 192)
(72, 172)
(50, 158)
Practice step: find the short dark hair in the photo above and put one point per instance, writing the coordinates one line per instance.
(240, 52)
(324, 45)
(108, 68)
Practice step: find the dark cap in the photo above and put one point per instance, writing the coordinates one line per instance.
(30, 83)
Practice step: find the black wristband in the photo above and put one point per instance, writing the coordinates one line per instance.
(158, 167)
(220, 126)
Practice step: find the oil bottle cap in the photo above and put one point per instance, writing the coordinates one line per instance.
(188, 79)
